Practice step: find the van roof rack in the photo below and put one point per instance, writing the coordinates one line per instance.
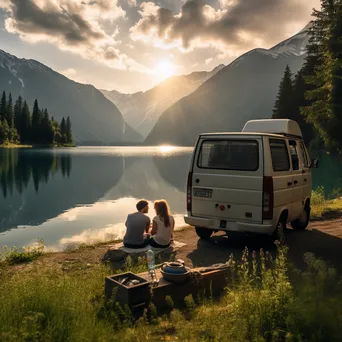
(284, 127)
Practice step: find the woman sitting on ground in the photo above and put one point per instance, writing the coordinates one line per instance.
(162, 226)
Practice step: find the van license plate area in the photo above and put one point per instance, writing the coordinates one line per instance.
(204, 193)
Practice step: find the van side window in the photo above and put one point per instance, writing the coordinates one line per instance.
(280, 155)
(294, 155)
(304, 156)
(238, 155)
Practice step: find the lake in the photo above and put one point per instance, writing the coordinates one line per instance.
(83, 195)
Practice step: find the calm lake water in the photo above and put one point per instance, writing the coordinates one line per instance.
(83, 195)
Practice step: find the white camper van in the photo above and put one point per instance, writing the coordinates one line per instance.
(253, 182)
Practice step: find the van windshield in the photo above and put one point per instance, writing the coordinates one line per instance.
(239, 155)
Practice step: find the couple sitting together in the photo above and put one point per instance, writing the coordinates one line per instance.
(139, 232)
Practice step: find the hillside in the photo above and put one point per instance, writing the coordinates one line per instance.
(142, 110)
(246, 89)
(95, 120)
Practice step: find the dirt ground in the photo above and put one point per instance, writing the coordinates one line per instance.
(324, 239)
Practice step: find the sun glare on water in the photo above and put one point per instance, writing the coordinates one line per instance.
(165, 69)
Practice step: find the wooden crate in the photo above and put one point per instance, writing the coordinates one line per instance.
(127, 295)
(211, 283)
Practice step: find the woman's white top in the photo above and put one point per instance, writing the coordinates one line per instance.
(163, 235)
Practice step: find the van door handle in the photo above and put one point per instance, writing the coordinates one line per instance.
(289, 183)
(295, 182)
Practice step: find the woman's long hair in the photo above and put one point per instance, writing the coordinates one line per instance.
(163, 210)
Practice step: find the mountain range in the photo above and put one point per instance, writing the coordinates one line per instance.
(142, 110)
(173, 112)
(245, 89)
(95, 120)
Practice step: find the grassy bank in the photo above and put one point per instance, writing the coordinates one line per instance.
(261, 304)
(323, 208)
(35, 146)
(14, 146)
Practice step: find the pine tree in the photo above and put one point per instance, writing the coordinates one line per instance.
(47, 128)
(36, 123)
(69, 138)
(283, 108)
(9, 111)
(63, 131)
(324, 61)
(25, 124)
(3, 106)
(17, 112)
(4, 132)
(299, 100)
(57, 137)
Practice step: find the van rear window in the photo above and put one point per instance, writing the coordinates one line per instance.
(239, 155)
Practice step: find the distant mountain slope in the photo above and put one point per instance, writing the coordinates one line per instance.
(95, 120)
(246, 89)
(142, 110)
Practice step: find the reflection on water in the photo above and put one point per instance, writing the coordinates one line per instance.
(89, 201)
(17, 167)
(83, 195)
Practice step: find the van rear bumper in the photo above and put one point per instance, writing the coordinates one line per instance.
(241, 227)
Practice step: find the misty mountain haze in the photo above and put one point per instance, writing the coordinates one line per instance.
(142, 110)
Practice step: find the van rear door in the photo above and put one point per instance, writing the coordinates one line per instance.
(227, 178)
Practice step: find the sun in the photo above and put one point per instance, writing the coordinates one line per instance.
(165, 69)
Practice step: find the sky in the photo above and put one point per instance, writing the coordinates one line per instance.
(131, 45)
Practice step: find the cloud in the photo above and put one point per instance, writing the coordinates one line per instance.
(73, 25)
(132, 2)
(208, 60)
(234, 25)
(69, 72)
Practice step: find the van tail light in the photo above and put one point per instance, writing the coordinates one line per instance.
(267, 199)
(188, 192)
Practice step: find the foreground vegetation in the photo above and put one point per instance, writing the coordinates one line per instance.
(260, 304)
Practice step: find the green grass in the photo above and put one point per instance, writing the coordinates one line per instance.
(261, 304)
(16, 255)
(323, 208)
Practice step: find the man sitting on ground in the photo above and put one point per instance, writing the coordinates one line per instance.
(137, 224)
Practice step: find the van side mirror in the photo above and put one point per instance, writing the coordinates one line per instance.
(314, 163)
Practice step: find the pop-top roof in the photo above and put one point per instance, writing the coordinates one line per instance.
(274, 126)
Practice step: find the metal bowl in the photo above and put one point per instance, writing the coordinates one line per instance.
(176, 278)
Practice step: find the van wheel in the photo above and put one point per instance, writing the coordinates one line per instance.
(303, 221)
(204, 233)
(279, 233)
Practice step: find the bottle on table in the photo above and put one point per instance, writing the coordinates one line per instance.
(151, 266)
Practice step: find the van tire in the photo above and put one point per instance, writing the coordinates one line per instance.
(204, 233)
(279, 232)
(301, 224)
